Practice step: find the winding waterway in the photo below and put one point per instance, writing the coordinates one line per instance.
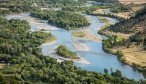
(98, 59)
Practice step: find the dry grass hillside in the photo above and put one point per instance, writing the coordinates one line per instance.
(133, 30)
(132, 1)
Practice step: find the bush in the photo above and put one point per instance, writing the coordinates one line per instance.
(65, 52)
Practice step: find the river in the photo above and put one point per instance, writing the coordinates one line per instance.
(98, 59)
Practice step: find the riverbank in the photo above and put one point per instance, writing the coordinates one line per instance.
(95, 56)
(134, 55)
(52, 53)
(49, 43)
(40, 23)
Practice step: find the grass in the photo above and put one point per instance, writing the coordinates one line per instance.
(50, 38)
(79, 34)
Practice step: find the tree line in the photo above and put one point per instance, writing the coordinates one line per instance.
(26, 64)
(63, 19)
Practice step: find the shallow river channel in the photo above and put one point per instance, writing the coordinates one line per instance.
(98, 59)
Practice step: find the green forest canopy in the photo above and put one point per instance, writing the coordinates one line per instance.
(26, 64)
(63, 51)
(63, 19)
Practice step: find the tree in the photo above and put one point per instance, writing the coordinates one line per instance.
(106, 71)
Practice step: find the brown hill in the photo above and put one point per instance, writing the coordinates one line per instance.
(132, 1)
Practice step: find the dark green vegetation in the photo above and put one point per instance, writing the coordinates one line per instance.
(63, 51)
(88, 10)
(135, 25)
(112, 42)
(106, 1)
(131, 25)
(49, 3)
(63, 19)
(74, 9)
(10, 8)
(63, 3)
(4, 12)
(26, 64)
(120, 8)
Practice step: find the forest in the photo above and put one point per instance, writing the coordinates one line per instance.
(25, 63)
(135, 27)
(11, 8)
(48, 3)
(63, 19)
(88, 10)
(63, 3)
(120, 8)
(130, 25)
(21, 53)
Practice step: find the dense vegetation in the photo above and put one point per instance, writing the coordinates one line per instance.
(106, 1)
(120, 8)
(114, 41)
(25, 63)
(63, 19)
(132, 25)
(74, 9)
(19, 50)
(135, 25)
(88, 10)
(136, 28)
(4, 12)
(62, 3)
(63, 51)
(10, 8)
(49, 3)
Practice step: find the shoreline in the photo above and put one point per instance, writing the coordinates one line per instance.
(133, 65)
(39, 21)
(53, 54)
(129, 59)
(115, 51)
(49, 43)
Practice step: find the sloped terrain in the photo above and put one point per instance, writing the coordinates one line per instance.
(132, 25)
(132, 1)
(133, 47)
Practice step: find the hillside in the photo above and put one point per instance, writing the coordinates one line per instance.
(129, 40)
(132, 1)
(132, 25)
(23, 63)
(123, 1)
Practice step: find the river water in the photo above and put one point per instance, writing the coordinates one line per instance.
(99, 60)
